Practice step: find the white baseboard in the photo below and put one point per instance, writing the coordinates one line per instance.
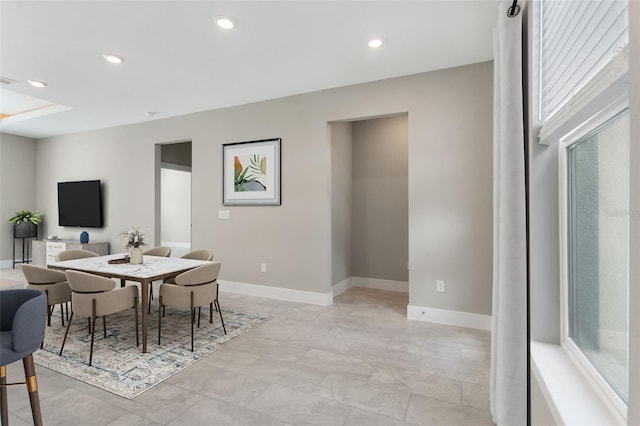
(442, 316)
(379, 284)
(342, 286)
(7, 264)
(279, 293)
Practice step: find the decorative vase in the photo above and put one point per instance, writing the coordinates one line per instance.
(84, 237)
(135, 256)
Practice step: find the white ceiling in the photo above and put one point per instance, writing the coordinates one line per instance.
(177, 61)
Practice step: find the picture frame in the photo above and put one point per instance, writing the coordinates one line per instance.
(251, 173)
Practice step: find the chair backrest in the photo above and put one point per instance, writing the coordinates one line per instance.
(82, 282)
(201, 275)
(201, 254)
(162, 251)
(74, 254)
(39, 275)
(24, 313)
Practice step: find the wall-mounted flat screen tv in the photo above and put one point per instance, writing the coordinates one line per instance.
(80, 204)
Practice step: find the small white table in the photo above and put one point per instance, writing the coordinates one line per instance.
(153, 268)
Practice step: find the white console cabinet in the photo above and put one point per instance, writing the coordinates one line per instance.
(45, 251)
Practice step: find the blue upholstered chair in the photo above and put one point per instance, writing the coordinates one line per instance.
(23, 315)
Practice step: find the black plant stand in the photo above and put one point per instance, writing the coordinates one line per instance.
(24, 231)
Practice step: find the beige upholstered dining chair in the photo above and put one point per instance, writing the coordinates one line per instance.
(94, 296)
(74, 254)
(160, 251)
(53, 283)
(201, 254)
(193, 289)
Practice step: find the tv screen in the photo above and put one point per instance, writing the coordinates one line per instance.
(80, 204)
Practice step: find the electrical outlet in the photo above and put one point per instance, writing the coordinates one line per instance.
(440, 286)
(263, 267)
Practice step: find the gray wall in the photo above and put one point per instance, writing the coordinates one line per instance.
(341, 205)
(17, 187)
(450, 190)
(380, 228)
(450, 201)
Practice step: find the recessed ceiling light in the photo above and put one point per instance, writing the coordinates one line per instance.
(114, 59)
(36, 83)
(151, 113)
(375, 43)
(225, 22)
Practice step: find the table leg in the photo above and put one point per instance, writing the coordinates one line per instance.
(144, 288)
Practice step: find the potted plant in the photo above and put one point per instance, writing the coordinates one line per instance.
(25, 224)
(134, 238)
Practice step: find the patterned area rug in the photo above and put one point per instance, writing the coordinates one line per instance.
(119, 366)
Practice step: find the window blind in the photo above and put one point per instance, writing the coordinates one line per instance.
(578, 38)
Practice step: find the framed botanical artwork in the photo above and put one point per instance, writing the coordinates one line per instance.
(251, 173)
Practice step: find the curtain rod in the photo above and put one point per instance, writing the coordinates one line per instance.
(513, 10)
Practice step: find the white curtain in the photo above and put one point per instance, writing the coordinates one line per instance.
(509, 314)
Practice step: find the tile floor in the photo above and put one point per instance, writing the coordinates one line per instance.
(357, 362)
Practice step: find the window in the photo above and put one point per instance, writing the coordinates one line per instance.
(598, 249)
(581, 81)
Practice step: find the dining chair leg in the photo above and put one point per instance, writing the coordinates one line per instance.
(151, 296)
(192, 321)
(66, 333)
(4, 410)
(62, 313)
(93, 331)
(220, 312)
(49, 309)
(193, 318)
(32, 388)
(159, 317)
(199, 310)
(104, 325)
(135, 307)
(211, 313)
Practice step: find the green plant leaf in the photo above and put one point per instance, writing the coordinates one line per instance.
(26, 216)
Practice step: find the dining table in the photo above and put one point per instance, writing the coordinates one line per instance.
(151, 269)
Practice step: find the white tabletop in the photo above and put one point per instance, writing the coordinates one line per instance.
(151, 266)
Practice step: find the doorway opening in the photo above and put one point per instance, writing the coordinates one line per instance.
(370, 204)
(173, 205)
